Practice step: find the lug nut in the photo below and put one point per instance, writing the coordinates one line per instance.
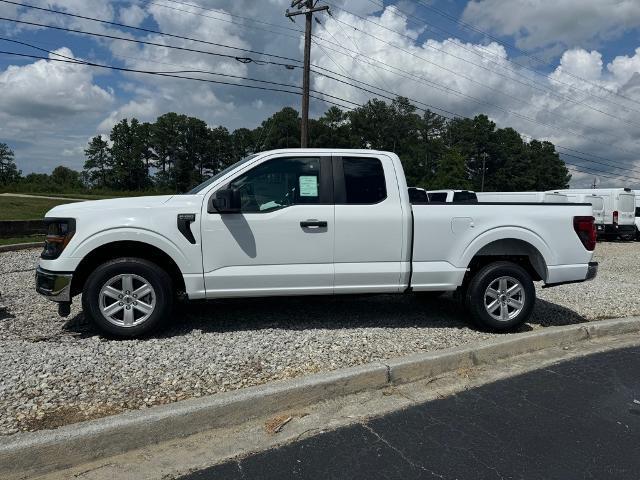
(128, 307)
(135, 296)
(120, 303)
(119, 296)
(135, 303)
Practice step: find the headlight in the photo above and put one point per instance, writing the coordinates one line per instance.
(59, 233)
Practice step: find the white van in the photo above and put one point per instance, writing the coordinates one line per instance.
(522, 197)
(618, 213)
(452, 196)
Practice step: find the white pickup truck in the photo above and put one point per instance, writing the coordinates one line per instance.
(307, 222)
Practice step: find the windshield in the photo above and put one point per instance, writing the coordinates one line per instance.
(218, 175)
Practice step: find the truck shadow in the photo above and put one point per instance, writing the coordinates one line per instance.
(340, 312)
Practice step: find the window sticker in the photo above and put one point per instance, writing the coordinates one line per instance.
(308, 186)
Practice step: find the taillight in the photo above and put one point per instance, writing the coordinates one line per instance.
(615, 217)
(585, 227)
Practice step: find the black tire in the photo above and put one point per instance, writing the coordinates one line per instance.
(475, 296)
(155, 276)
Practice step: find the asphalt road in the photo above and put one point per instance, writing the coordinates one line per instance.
(576, 420)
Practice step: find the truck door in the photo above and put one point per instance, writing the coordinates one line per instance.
(369, 225)
(282, 240)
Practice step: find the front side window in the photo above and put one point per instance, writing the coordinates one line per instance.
(364, 180)
(638, 212)
(279, 183)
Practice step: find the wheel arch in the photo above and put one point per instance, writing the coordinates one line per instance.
(516, 250)
(126, 248)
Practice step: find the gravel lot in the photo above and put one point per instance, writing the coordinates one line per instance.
(55, 371)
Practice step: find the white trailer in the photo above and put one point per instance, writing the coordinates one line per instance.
(522, 197)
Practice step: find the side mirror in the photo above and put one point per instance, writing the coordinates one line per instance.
(226, 200)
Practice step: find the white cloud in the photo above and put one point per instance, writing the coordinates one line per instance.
(43, 105)
(132, 15)
(46, 89)
(502, 88)
(62, 107)
(543, 23)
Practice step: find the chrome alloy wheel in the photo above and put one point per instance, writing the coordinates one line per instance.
(127, 300)
(504, 298)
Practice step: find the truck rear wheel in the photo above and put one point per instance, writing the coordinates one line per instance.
(128, 297)
(501, 296)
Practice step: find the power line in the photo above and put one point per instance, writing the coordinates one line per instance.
(147, 30)
(233, 15)
(503, 42)
(467, 77)
(538, 86)
(479, 101)
(146, 42)
(174, 75)
(579, 167)
(406, 15)
(208, 72)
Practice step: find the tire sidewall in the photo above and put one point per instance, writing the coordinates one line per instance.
(478, 285)
(153, 274)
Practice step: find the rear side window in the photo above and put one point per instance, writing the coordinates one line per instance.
(597, 203)
(364, 180)
(438, 197)
(627, 203)
(465, 197)
(637, 211)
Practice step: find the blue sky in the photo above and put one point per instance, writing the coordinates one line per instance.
(573, 78)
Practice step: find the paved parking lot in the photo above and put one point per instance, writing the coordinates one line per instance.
(588, 426)
(55, 371)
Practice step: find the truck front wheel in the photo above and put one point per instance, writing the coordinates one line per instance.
(501, 296)
(127, 297)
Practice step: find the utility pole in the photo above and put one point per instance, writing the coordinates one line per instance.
(484, 160)
(306, 8)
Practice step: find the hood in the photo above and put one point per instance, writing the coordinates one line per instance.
(100, 206)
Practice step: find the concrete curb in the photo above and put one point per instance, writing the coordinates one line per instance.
(40, 452)
(20, 246)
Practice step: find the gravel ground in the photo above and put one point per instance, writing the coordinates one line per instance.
(55, 371)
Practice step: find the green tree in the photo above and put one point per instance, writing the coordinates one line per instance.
(451, 172)
(331, 130)
(129, 152)
(9, 172)
(98, 162)
(281, 130)
(66, 179)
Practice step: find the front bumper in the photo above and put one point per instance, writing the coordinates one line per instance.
(56, 286)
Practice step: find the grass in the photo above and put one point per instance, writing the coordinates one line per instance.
(23, 208)
(27, 239)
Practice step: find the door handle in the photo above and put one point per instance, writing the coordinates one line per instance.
(313, 224)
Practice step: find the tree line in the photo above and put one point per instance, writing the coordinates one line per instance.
(176, 152)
